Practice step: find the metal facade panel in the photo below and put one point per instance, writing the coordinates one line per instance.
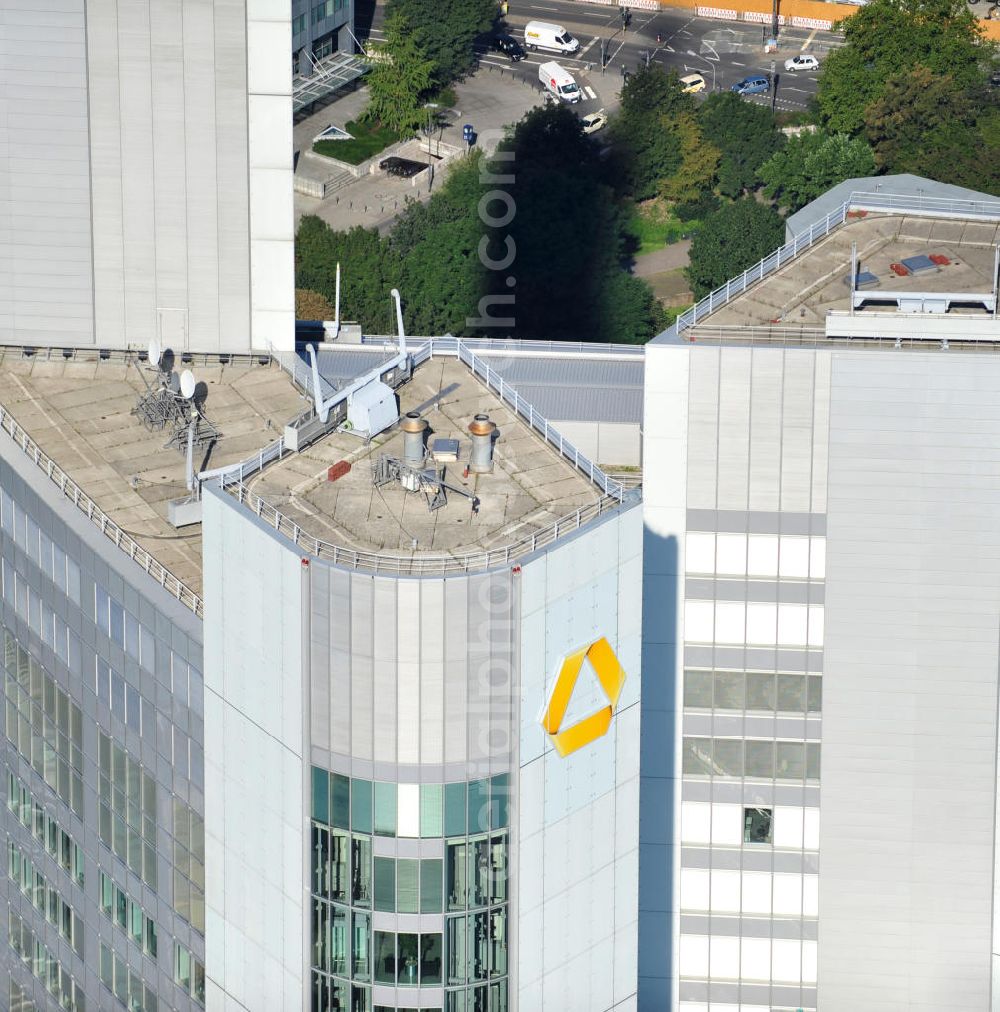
(910, 700)
(765, 428)
(432, 703)
(319, 653)
(408, 671)
(46, 269)
(703, 429)
(734, 424)
(385, 665)
(456, 668)
(798, 395)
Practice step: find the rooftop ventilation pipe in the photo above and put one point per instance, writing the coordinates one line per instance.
(413, 427)
(481, 458)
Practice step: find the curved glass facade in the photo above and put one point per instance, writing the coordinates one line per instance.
(456, 883)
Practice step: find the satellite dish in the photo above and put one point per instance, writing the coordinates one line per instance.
(187, 384)
(155, 351)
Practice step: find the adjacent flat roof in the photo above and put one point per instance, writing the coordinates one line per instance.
(802, 292)
(79, 412)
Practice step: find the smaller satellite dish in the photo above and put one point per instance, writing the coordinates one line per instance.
(155, 351)
(187, 384)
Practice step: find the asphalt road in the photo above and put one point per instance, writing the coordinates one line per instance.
(723, 52)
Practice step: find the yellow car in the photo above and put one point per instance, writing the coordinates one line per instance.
(692, 84)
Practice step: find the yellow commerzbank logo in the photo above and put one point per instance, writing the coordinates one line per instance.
(611, 677)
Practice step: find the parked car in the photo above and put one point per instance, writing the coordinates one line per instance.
(752, 86)
(509, 46)
(692, 84)
(802, 62)
(595, 121)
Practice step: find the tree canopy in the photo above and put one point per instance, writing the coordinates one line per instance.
(732, 239)
(399, 77)
(444, 31)
(886, 38)
(646, 149)
(745, 134)
(811, 163)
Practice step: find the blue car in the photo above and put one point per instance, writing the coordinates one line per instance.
(751, 86)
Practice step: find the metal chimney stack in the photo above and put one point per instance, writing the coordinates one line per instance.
(481, 459)
(413, 427)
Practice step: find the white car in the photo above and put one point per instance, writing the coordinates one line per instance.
(595, 121)
(802, 62)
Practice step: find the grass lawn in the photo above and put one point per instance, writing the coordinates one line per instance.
(367, 139)
(654, 226)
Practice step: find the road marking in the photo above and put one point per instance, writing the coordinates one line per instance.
(588, 45)
(670, 49)
(590, 91)
(801, 91)
(812, 35)
(733, 63)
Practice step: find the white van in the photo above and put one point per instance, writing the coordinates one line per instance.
(559, 81)
(542, 35)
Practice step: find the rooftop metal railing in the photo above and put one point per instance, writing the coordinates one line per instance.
(97, 516)
(887, 203)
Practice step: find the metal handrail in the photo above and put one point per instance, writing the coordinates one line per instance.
(97, 516)
(416, 565)
(858, 201)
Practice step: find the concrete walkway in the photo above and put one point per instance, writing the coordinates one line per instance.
(667, 259)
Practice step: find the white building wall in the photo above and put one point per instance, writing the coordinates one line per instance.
(910, 709)
(577, 816)
(45, 255)
(147, 180)
(256, 813)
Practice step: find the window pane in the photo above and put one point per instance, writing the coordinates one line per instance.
(361, 806)
(756, 825)
(385, 883)
(698, 689)
(339, 847)
(457, 880)
(791, 760)
(454, 810)
(500, 801)
(814, 703)
(455, 930)
(812, 760)
(430, 959)
(727, 756)
(385, 957)
(729, 690)
(759, 759)
(361, 871)
(760, 691)
(698, 756)
(431, 888)
(359, 950)
(792, 693)
(431, 810)
(340, 801)
(385, 809)
(479, 806)
(407, 886)
(498, 869)
(408, 966)
(320, 803)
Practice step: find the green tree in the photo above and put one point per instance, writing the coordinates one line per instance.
(745, 134)
(445, 31)
(436, 244)
(699, 160)
(400, 75)
(368, 270)
(920, 118)
(645, 150)
(730, 241)
(886, 38)
(811, 163)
